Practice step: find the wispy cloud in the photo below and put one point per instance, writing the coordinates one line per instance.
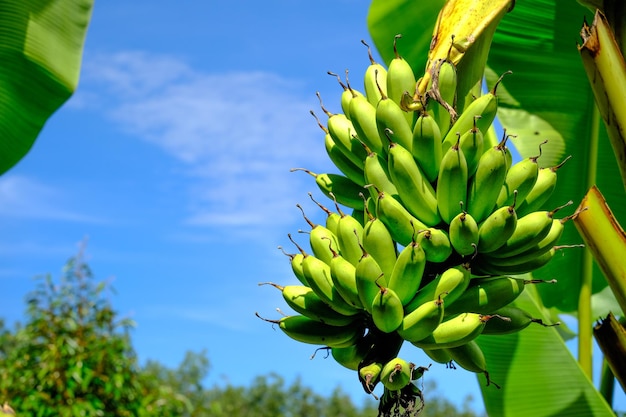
(237, 134)
(26, 198)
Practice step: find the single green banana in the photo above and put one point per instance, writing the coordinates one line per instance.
(363, 117)
(463, 234)
(346, 191)
(415, 191)
(420, 322)
(529, 231)
(295, 260)
(438, 355)
(470, 356)
(484, 106)
(400, 79)
(369, 375)
(426, 146)
(343, 276)
(376, 173)
(496, 229)
(303, 300)
(451, 182)
(387, 312)
(378, 242)
(447, 286)
(518, 264)
(369, 278)
(542, 190)
(406, 276)
(512, 319)
(374, 74)
(343, 133)
(349, 236)
(471, 143)
(342, 162)
(319, 278)
(484, 187)
(321, 239)
(456, 331)
(389, 116)
(306, 330)
(401, 224)
(519, 179)
(486, 295)
(396, 374)
(443, 91)
(436, 244)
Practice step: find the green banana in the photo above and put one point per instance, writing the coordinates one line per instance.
(513, 319)
(389, 116)
(519, 264)
(401, 224)
(420, 322)
(463, 232)
(456, 331)
(426, 145)
(295, 260)
(306, 330)
(496, 229)
(363, 117)
(471, 143)
(349, 235)
(406, 276)
(447, 286)
(319, 278)
(443, 91)
(486, 295)
(346, 95)
(369, 375)
(396, 374)
(342, 131)
(346, 191)
(341, 161)
(321, 239)
(378, 242)
(415, 191)
(451, 182)
(400, 79)
(369, 277)
(376, 173)
(303, 300)
(484, 106)
(374, 74)
(484, 187)
(519, 179)
(343, 276)
(387, 312)
(438, 355)
(529, 231)
(542, 190)
(470, 356)
(436, 244)
(351, 356)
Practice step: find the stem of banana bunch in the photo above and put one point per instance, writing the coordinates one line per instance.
(585, 325)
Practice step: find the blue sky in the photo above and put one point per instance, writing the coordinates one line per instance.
(172, 161)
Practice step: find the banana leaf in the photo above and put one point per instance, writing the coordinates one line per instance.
(41, 44)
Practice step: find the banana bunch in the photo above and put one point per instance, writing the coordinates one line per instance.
(441, 224)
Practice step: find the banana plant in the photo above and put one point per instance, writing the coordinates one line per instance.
(548, 96)
(41, 44)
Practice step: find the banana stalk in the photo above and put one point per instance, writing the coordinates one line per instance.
(611, 337)
(606, 240)
(606, 70)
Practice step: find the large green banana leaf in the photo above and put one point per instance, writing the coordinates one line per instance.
(41, 43)
(547, 97)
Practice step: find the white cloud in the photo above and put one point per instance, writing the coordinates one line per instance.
(23, 197)
(237, 134)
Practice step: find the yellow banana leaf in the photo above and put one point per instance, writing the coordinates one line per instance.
(41, 43)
